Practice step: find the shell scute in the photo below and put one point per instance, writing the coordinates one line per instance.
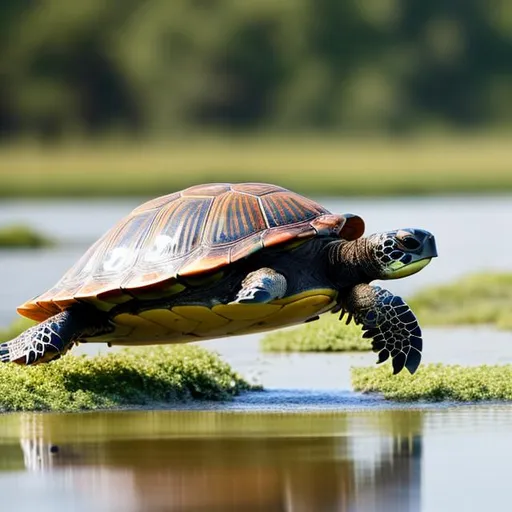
(284, 234)
(210, 190)
(158, 202)
(246, 247)
(257, 189)
(233, 217)
(285, 208)
(200, 229)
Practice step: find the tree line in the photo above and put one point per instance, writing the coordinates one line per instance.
(157, 66)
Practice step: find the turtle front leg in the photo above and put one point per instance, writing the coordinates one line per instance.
(389, 321)
(50, 339)
(261, 286)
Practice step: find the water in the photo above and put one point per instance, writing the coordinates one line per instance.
(405, 460)
(307, 443)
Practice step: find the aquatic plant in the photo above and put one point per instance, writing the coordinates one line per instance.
(135, 377)
(327, 334)
(483, 298)
(437, 382)
(18, 235)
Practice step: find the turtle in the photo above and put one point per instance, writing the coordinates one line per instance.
(224, 259)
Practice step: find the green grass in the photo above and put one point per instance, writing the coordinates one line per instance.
(325, 335)
(19, 236)
(138, 377)
(310, 165)
(437, 382)
(484, 298)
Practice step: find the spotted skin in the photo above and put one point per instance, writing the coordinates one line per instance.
(44, 342)
(390, 322)
(53, 337)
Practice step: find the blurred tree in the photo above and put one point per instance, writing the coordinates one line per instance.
(154, 66)
(458, 49)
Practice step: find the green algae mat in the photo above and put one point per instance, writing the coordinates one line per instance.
(138, 377)
(437, 382)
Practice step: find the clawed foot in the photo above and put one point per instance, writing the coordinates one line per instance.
(389, 321)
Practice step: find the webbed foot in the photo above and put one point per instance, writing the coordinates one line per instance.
(389, 321)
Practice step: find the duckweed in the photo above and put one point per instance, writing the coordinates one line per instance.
(327, 334)
(19, 236)
(135, 377)
(437, 382)
(475, 299)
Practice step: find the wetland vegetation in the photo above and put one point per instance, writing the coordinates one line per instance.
(482, 298)
(135, 377)
(327, 334)
(353, 166)
(437, 382)
(20, 236)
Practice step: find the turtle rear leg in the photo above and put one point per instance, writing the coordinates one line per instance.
(261, 286)
(52, 338)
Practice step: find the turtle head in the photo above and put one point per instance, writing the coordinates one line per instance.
(402, 252)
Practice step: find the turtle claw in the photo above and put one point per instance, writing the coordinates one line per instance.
(256, 296)
(338, 307)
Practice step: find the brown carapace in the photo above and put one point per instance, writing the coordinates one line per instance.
(188, 233)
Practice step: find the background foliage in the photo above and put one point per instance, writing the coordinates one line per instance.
(142, 67)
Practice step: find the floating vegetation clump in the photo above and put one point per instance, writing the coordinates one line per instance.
(134, 377)
(484, 298)
(325, 335)
(19, 236)
(437, 382)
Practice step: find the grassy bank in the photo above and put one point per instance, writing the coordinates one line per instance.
(314, 166)
(137, 377)
(325, 335)
(19, 236)
(437, 382)
(484, 298)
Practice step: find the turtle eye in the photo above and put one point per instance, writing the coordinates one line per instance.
(410, 243)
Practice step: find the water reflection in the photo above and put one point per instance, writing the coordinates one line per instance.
(192, 461)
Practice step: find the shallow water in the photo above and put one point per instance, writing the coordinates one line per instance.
(307, 443)
(406, 460)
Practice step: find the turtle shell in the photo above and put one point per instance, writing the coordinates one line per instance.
(200, 229)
